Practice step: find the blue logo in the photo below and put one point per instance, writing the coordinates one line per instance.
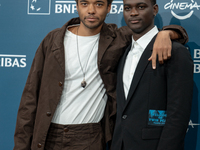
(39, 7)
(157, 117)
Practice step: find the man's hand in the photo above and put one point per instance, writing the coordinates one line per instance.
(162, 46)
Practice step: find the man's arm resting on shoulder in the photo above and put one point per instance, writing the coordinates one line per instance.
(162, 46)
(179, 33)
(179, 76)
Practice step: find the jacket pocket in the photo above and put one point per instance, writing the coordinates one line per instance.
(151, 133)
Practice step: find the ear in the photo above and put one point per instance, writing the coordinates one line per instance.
(109, 7)
(155, 9)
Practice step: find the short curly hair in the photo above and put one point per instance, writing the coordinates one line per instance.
(109, 1)
(153, 2)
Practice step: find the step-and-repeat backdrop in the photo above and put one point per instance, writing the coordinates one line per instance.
(24, 23)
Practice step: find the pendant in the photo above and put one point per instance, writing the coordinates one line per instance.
(83, 83)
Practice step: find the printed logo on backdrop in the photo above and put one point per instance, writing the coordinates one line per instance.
(18, 61)
(43, 7)
(192, 125)
(70, 7)
(39, 7)
(65, 7)
(184, 7)
(196, 60)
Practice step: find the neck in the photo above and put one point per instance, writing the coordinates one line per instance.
(84, 31)
(137, 35)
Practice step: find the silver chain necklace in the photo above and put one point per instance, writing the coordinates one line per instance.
(83, 83)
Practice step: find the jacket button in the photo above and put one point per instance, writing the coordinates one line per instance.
(60, 83)
(124, 116)
(66, 129)
(48, 114)
(39, 145)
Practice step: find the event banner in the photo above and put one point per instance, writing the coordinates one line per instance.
(24, 24)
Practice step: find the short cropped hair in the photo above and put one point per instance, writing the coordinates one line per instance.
(153, 2)
(109, 1)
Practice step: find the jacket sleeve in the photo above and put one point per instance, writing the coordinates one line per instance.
(180, 30)
(28, 105)
(179, 74)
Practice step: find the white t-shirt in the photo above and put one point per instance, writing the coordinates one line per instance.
(80, 105)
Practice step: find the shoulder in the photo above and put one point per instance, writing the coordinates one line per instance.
(52, 40)
(179, 48)
(123, 30)
(112, 27)
(53, 33)
(123, 33)
(58, 32)
(54, 37)
(180, 53)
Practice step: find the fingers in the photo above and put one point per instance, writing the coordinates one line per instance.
(169, 52)
(161, 49)
(153, 58)
(165, 55)
(150, 58)
(160, 57)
